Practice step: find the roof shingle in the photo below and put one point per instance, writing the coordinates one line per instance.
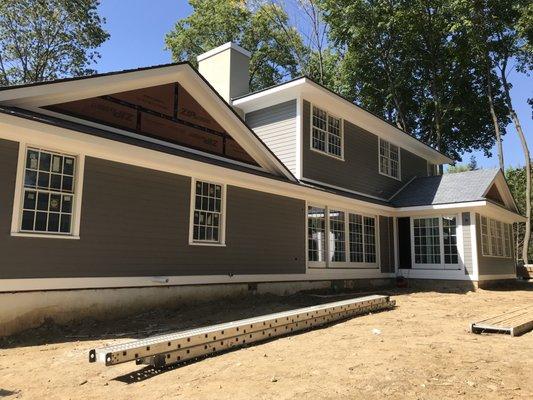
(444, 189)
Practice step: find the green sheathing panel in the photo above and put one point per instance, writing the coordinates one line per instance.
(386, 239)
(492, 265)
(360, 170)
(135, 222)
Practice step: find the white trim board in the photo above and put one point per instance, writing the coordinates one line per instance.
(12, 285)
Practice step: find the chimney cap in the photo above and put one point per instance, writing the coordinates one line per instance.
(219, 49)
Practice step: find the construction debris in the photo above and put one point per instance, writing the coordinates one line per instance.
(515, 323)
(163, 350)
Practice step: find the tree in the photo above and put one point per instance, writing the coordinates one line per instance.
(263, 29)
(471, 166)
(410, 64)
(516, 179)
(43, 40)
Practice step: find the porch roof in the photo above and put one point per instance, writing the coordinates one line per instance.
(459, 187)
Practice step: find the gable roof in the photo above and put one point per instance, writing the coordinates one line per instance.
(462, 187)
(35, 95)
(307, 88)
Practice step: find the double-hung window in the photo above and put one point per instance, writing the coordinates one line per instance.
(389, 159)
(346, 238)
(208, 204)
(435, 242)
(49, 192)
(326, 133)
(495, 238)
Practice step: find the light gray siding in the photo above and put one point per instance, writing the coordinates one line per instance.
(467, 243)
(492, 265)
(276, 126)
(135, 222)
(386, 243)
(360, 170)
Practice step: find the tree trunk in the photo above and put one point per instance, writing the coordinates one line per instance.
(494, 119)
(525, 149)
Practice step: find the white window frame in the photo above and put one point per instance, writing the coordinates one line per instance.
(460, 249)
(507, 253)
(328, 114)
(389, 160)
(222, 238)
(347, 264)
(316, 264)
(16, 219)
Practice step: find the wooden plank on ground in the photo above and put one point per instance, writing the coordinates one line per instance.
(515, 322)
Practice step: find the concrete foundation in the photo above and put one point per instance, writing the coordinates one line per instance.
(25, 310)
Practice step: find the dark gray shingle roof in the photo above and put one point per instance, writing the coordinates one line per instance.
(448, 188)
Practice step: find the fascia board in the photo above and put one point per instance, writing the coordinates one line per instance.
(501, 184)
(60, 92)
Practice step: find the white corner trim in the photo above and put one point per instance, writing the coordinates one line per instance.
(299, 138)
(220, 49)
(473, 237)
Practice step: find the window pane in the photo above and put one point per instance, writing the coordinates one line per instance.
(337, 239)
(369, 237)
(207, 212)
(427, 240)
(44, 161)
(45, 172)
(30, 197)
(449, 229)
(40, 221)
(30, 179)
(316, 233)
(53, 222)
(389, 159)
(356, 238)
(27, 220)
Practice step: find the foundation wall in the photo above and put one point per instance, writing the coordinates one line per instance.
(24, 310)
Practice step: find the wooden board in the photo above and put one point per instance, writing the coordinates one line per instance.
(515, 322)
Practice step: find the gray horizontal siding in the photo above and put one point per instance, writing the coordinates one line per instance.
(276, 126)
(135, 222)
(492, 265)
(360, 170)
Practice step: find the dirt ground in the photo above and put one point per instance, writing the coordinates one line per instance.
(424, 351)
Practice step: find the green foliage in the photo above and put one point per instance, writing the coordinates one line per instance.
(516, 179)
(264, 30)
(471, 166)
(42, 40)
(412, 62)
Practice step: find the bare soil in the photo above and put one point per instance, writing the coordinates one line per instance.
(424, 351)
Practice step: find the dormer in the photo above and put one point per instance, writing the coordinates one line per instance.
(327, 141)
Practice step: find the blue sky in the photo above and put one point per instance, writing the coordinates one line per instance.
(138, 29)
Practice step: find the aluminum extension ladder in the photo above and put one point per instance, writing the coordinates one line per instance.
(172, 348)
